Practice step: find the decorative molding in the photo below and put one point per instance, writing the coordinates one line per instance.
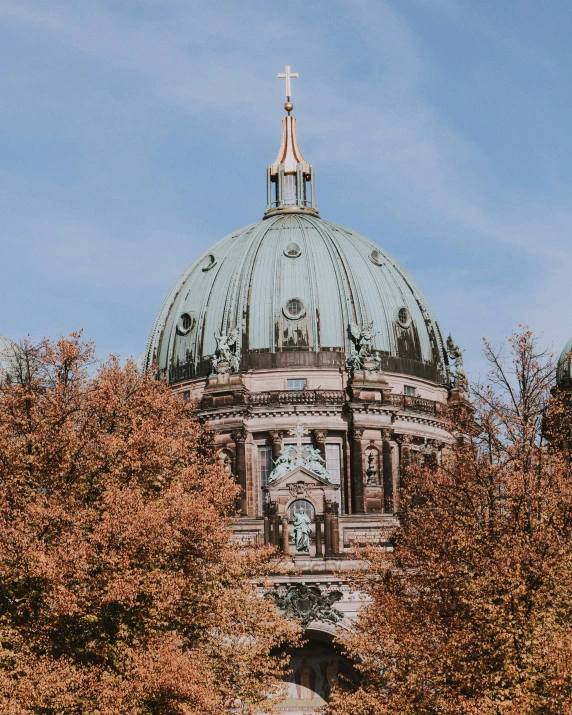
(308, 603)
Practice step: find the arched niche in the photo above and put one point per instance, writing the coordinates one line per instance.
(315, 669)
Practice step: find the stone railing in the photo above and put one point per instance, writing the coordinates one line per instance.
(297, 397)
(314, 397)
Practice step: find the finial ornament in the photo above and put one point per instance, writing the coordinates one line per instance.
(288, 75)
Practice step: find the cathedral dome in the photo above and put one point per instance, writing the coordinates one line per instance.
(293, 285)
(564, 369)
(294, 290)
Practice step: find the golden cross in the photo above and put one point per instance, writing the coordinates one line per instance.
(287, 75)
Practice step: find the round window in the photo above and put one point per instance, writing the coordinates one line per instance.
(376, 257)
(292, 250)
(209, 262)
(186, 323)
(294, 309)
(403, 317)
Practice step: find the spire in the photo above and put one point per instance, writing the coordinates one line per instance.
(290, 179)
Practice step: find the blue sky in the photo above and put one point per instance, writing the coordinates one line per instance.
(134, 134)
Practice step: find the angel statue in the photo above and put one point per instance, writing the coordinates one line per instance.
(302, 531)
(227, 351)
(285, 462)
(456, 353)
(361, 350)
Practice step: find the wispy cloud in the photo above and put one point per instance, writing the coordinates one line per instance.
(154, 122)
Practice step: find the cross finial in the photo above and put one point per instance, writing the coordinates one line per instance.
(287, 75)
(298, 432)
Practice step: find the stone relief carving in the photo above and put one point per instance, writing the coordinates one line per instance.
(227, 354)
(298, 455)
(308, 603)
(455, 353)
(362, 356)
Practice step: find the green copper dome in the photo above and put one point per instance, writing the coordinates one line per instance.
(293, 285)
(564, 370)
(295, 290)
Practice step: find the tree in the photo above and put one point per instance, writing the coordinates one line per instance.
(120, 589)
(472, 611)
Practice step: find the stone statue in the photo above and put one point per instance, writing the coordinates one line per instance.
(227, 355)
(302, 530)
(456, 353)
(298, 455)
(361, 355)
(371, 471)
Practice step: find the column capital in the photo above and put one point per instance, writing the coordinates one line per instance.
(387, 435)
(239, 436)
(276, 435)
(320, 434)
(357, 432)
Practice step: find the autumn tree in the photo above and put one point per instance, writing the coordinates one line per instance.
(120, 590)
(472, 611)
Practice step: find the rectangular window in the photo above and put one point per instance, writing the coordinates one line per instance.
(264, 463)
(298, 383)
(187, 395)
(408, 390)
(334, 462)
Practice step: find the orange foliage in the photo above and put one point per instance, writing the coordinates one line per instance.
(120, 591)
(472, 611)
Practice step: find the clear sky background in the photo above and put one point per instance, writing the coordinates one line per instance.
(135, 133)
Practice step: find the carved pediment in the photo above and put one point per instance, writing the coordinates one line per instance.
(300, 474)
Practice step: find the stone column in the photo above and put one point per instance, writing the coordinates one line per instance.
(357, 471)
(318, 522)
(331, 528)
(387, 471)
(239, 437)
(285, 534)
(276, 437)
(320, 439)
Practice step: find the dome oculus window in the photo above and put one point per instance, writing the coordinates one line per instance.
(208, 263)
(186, 323)
(292, 250)
(403, 317)
(294, 309)
(376, 257)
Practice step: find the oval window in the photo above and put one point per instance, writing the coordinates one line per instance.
(403, 317)
(376, 257)
(208, 263)
(186, 323)
(292, 250)
(294, 309)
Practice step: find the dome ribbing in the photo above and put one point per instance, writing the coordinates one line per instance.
(292, 286)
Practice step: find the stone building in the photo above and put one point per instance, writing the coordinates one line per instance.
(320, 366)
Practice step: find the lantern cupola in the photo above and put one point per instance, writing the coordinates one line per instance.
(290, 179)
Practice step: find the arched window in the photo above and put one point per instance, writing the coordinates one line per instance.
(304, 505)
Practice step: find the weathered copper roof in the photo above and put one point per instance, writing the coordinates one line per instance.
(335, 277)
